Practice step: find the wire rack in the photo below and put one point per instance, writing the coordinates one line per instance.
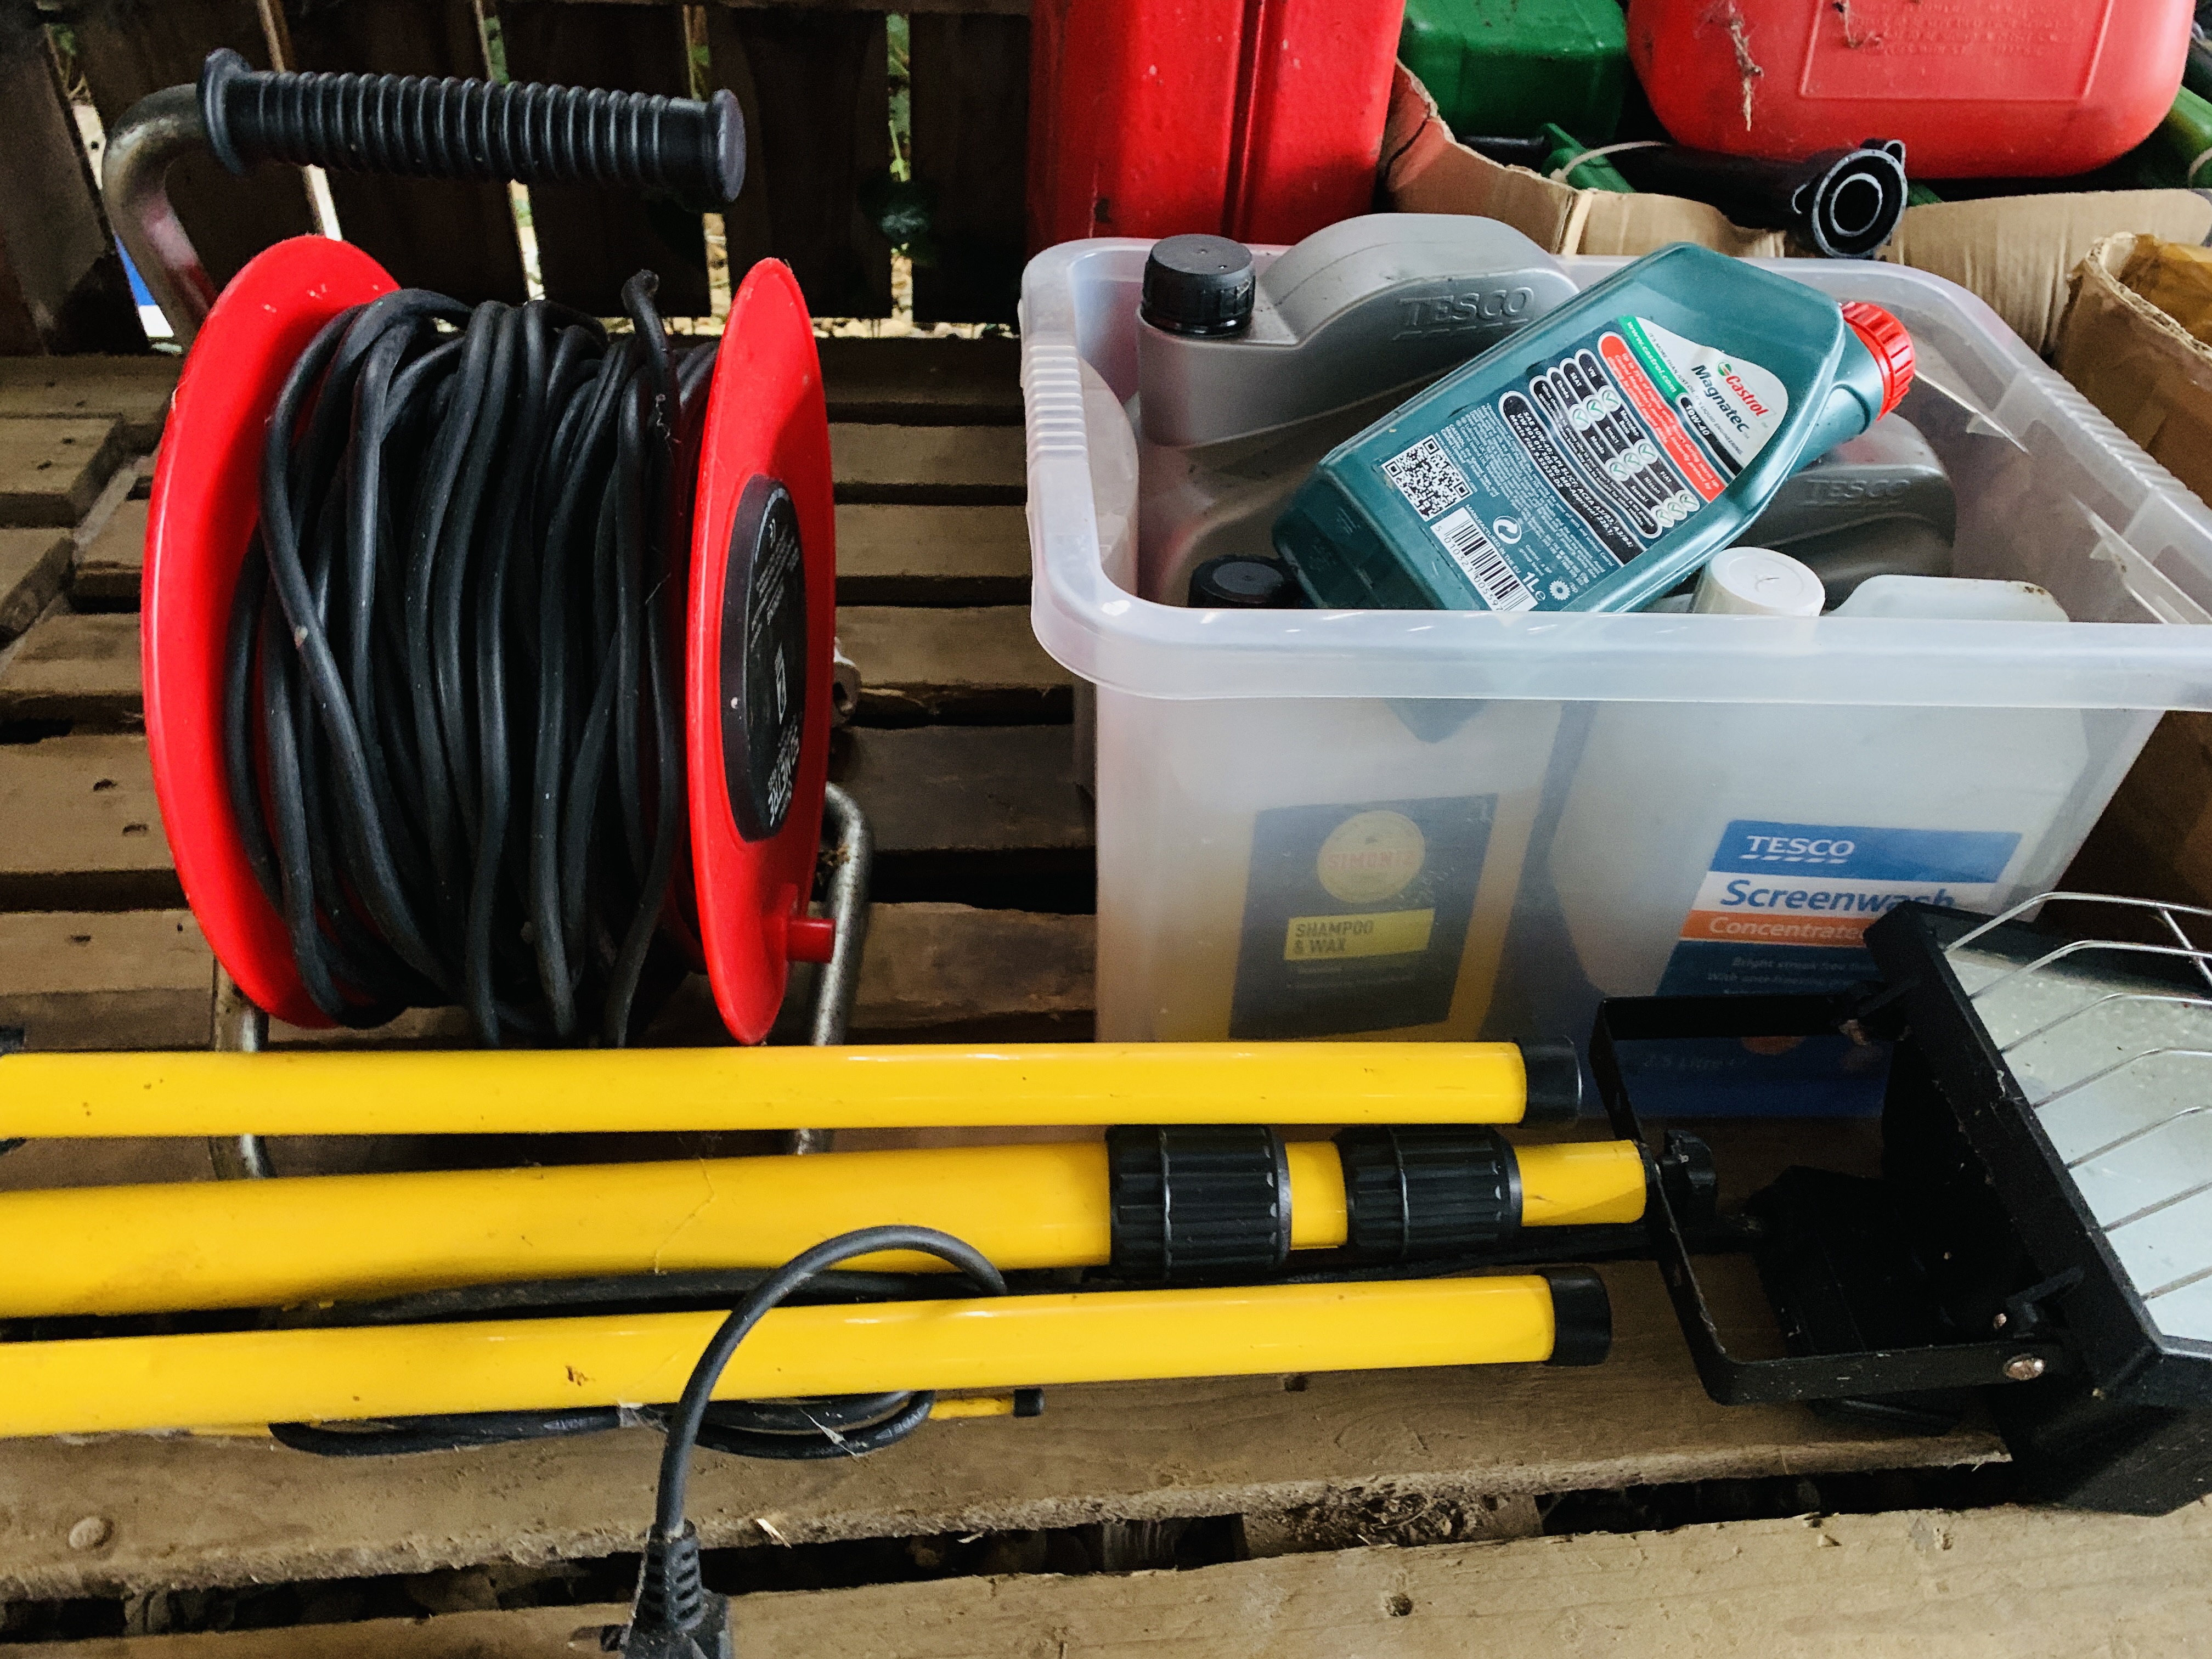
(2111, 1041)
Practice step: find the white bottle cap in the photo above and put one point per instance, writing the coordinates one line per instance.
(1757, 582)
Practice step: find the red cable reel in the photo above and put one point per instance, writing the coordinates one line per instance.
(759, 625)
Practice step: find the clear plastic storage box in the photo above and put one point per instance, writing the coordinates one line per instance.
(1428, 824)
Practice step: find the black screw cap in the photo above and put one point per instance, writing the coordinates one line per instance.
(1555, 1083)
(1236, 582)
(1692, 1179)
(1581, 1317)
(1198, 285)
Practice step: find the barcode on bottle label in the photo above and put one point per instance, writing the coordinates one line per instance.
(1429, 479)
(1485, 567)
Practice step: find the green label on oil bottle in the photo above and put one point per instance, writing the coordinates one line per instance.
(1586, 460)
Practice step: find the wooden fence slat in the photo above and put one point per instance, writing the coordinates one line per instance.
(82, 669)
(110, 566)
(959, 788)
(134, 390)
(131, 47)
(970, 114)
(124, 979)
(590, 241)
(916, 382)
(62, 286)
(980, 664)
(932, 555)
(886, 555)
(947, 970)
(816, 89)
(140, 979)
(929, 464)
(52, 471)
(80, 828)
(452, 236)
(922, 382)
(34, 563)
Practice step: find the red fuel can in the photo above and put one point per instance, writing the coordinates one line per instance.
(1974, 88)
(1259, 119)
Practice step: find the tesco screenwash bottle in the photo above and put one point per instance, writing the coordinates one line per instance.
(1595, 458)
(1722, 849)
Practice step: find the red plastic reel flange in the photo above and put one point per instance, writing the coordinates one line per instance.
(767, 426)
(206, 501)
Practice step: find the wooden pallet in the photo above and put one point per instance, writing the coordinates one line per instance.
(964, 759)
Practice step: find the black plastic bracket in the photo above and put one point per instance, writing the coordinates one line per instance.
(1803, 1377)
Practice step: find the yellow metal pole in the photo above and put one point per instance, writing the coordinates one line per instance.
(273, 1243)
(1580, 1183)
(152, 1383)
(1319, 1220)
(276, 1242)
(568, 1090)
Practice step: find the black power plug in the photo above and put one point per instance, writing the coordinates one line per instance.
(676, 1616)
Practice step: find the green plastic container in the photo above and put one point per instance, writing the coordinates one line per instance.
(1594, 174)
(2185, 136)
(1508, 66)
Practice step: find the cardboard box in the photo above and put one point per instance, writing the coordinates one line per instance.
(1426, 170)
(2153, 382)
(2016, 252)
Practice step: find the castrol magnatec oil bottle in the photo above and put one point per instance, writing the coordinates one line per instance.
(1595, 458)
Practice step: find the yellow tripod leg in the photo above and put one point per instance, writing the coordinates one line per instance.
(153, 1383)
(474, 1093)
(276, 1242)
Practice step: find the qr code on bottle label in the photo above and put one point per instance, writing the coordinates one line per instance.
(1429, 479)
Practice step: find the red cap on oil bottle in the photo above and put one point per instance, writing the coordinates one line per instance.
(1889, 345)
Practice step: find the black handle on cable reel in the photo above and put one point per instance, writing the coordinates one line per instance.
(418, 127)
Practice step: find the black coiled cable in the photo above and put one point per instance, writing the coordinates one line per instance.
(798, 1431)
(453, 739)
(790, 1431)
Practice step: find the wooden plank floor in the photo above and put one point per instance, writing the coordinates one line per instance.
(2001, 1583)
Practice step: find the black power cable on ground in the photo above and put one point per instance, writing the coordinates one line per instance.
(676, 1616)
(790, 1431)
